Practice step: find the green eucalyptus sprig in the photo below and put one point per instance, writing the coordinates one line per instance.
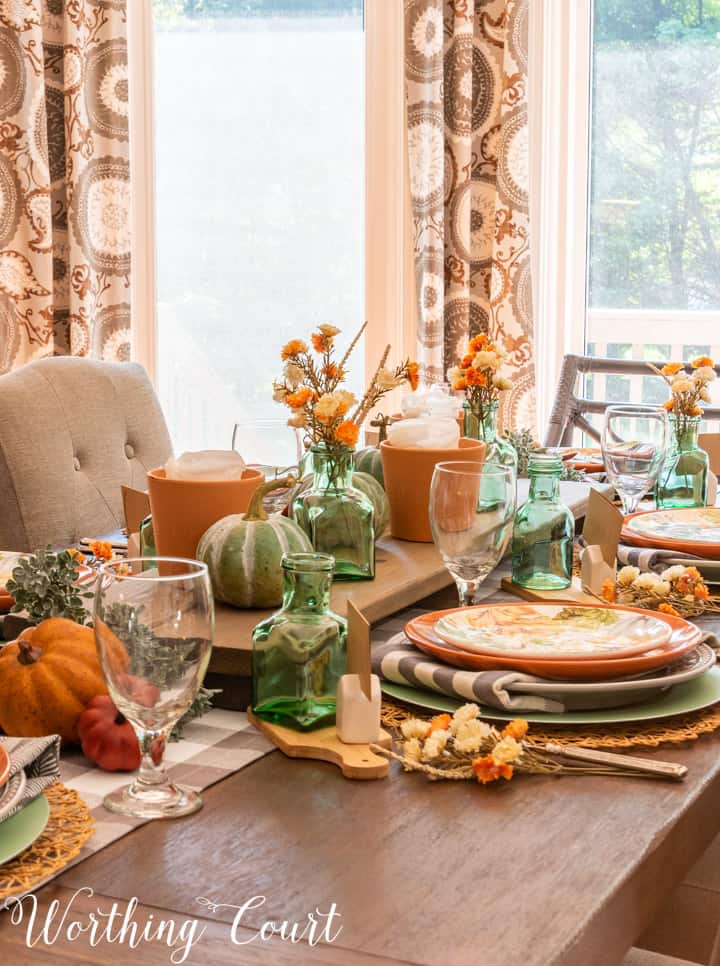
(44, 585)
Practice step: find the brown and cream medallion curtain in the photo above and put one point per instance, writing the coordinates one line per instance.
(64, 180)
(466, 77)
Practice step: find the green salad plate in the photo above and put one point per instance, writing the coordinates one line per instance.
(20, 831)
(682, 698)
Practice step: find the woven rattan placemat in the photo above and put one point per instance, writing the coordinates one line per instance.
(686, 727)
(70, 825)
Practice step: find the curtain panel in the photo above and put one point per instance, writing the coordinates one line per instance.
(466, 67)
(64, 180)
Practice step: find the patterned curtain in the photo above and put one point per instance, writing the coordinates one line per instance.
(466, 75)
(64, 180)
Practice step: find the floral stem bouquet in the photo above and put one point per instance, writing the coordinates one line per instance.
(687, 390)
(478, 376)
(311, 387)
(679, 591)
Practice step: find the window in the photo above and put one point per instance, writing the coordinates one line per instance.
(625, 152)
(252, 219)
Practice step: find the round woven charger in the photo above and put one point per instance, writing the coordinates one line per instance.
(685, 727)
(69, 827)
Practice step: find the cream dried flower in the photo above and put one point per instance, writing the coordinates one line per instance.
(414, 728)
(435, 745)
(647, 582)
(501, 383)
(328, 330)
(386, 380)
(662, 588)
(468, 712)
(327, 406)
(298, 421)
(627, 575)
(475, 729)
(682, 384)
(412, 750)
(345, 399)
(507, 751)
(705, 394)
(293, 375)
(467, 746)
(487, 360)
(453, 374)
(279, 392)
(672, 573)
(705, 374)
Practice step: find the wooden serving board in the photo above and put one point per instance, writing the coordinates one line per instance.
(405, 573)
(571, 595)
(323, 744)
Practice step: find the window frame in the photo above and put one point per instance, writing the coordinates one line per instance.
(390, 299)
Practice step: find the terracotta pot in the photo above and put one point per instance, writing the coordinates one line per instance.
(408, 472)
(182, 510)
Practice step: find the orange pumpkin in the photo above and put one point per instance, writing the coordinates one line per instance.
(47, 677)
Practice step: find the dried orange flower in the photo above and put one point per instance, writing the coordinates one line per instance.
(488, 770)
(669, 404)
(672, 368)
(413, 375)
(321, 343)
(517, 729)
(474, 377)
(439, 723)
(295, 347)
(701, 592)
(702, 361)
(100, 549)
(347, 433)
(477, 343)
(668, 609)
(301, 396)
(459, 384)
(76, 555)
(331, 371)
(608, 591)
(466, 361)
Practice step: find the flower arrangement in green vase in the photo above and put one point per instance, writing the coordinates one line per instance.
(337, 517)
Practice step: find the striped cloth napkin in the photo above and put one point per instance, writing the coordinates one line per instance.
(649, 558)
(40, 758)
(398, 661)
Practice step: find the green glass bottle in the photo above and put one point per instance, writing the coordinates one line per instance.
(542, 547)
(338, 518)
(683, 479)
(300, 653)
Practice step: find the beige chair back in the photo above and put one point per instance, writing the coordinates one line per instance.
(71, 432)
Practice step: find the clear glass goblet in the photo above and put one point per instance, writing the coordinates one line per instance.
(472, 507)
(154, 623)
(634, 443)
(274, 448)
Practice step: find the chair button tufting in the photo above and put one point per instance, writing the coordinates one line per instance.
(129, 451)
(76, 463)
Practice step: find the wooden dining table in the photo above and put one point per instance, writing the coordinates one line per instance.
(532, 872)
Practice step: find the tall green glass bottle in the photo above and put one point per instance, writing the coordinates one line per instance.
(300, 653)
(542, 547)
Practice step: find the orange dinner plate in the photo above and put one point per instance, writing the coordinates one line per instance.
(4, 766)
(692, 530)
(684, 636)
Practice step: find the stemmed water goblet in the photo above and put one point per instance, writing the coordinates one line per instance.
(472, 507)
(634, 443)
(154, 624)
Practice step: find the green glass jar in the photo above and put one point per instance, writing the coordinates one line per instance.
(683, 479)
(483, 426)
(338, 518)
(300, 653)
(542, 546)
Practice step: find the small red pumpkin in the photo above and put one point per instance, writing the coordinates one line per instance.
(107, 737)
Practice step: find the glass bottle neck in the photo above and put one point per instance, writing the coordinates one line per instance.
(332, 469)
(306, 593)
(545, 488)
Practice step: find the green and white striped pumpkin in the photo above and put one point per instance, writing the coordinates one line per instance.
(370, 461)
(373, 491)
(243, 552)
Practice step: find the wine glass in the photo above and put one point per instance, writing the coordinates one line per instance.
(154, 623)
(634, 443)
(472, 506)
(274, 448)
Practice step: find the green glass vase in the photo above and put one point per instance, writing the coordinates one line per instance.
(683, 479)
(542, 546)
(338, 518)
(300, 653)
(483, 426)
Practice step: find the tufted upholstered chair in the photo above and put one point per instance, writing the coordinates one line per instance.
(71, 432)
